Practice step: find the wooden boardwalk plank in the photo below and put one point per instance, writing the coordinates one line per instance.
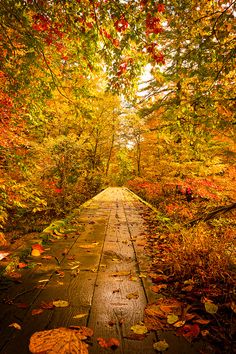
(106, 286)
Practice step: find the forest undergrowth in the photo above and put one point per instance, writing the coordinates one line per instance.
(190, 241)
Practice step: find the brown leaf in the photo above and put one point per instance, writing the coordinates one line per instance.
(201, 321)
(47, 305)
(36, 312)
(158, 277)
(187, 288)
(132, 296)
(59, 340)
(22, 305)
(108, 343)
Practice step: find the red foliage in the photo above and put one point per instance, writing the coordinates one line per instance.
(121, 24)
(161, 8)
(153, 24)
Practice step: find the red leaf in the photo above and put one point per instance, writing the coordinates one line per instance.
(189, 332)
(38, 247)
(22, 265)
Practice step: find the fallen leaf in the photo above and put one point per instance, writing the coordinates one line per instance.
(201, 321)
(158, 277)
(65, 252)
(35, 253)
(108, 343)
(233, 306)
(47, 305)
(15, 325)
(90, 245)
(187, 288)
(38, 247)
(22, 305)
(22, 265)
(139, 329)
(172, 318)
(142, 275)
(132, 296)
(58, 340)
(179, 324)
(205, 333)
(60, 303)
(157, 288)
(161, 346)
(80, 315)
(122, 273)
(3, 255)
(210, 307)
(60, 273)
(189, 332)
(47, 257)
(36, 312)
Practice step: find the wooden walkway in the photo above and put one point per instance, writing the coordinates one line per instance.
(97, 270)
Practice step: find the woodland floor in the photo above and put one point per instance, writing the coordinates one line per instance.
(93, 273)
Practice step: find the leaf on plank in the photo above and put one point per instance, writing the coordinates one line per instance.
(80, 315)
(132, 296)
(161, 346)
(15, 325)
(36, 312)
(59, 340)
(139, 329)
(60, 303)
(112, 343)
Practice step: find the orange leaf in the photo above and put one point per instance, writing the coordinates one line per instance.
(36, 312)
(38, 247)
(22, 265)
(57, 341)
(108, 343)
(157, 288)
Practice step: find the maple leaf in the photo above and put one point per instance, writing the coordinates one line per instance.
(59, 340)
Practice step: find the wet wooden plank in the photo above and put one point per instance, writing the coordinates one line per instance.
(107, 286)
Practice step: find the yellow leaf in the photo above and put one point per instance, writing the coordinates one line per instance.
(60, 303)
(172, 318)
(15, 325)
(35, 253)
(81, 315)
(139, 329)
(210, 307)
(161, 346)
